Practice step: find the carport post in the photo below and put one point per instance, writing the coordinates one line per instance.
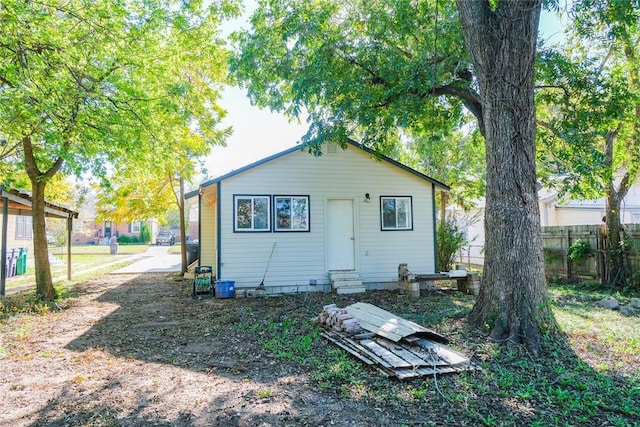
(3, 252)
(69, 228)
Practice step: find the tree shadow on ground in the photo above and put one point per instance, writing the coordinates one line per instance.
(158, 357)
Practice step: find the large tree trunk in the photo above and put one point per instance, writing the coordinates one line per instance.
(502, 44)
(616, 273)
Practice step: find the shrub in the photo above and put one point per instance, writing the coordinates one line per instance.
(579, 250)
(127, 240)
(145, 233)
(451, 238)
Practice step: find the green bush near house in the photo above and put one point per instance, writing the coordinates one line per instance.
(145, 233)
(128, 240)
(451, 238)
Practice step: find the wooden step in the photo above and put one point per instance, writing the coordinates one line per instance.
(346, 282)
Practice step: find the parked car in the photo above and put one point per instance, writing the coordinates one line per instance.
(165, 237)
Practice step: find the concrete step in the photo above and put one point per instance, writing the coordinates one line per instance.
(344, 275)
(346, 283)
(351, 290)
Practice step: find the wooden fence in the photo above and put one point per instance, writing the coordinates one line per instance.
(557, 240)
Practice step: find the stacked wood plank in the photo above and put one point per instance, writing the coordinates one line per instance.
(397, 347)
(338, 319)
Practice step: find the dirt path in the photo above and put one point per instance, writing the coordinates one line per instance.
(139, 351)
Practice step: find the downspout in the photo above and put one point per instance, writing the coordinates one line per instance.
(3, 254)
(435, 231)
(199, 227)
(218, 229)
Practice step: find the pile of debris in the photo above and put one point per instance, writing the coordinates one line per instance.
(397, 347)
(338, 319)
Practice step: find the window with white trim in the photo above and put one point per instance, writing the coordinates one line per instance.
(395, 213)
(291, 213)
(135, 227)
(24, 227)
(252, 213)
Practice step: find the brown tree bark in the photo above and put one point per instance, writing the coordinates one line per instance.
(502, 44)
(179, 195)
(616, 273)
(44, 281)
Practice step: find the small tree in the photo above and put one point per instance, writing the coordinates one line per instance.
(451, 238)
(145, 233)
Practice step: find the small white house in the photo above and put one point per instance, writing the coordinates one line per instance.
(294, 218)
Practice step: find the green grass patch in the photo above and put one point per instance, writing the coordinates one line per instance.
(97, 250)
(286, 341)
(83, 257)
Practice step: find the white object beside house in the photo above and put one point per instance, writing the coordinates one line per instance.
(293, 218)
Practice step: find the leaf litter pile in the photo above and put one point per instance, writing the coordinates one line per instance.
(139, 351)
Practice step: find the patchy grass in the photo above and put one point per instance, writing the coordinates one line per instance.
(97, 250)
(268, 354)
(589, 377)
(83, 257)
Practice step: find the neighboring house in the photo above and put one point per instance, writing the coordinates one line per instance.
(293, 218)
(20, 233)
(472, 223)
(19, 220)
(553, 212)
(99, 232)
(87, 231)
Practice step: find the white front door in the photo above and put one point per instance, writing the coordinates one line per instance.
(340, 235)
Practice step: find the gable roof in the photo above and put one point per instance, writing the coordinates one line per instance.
(300, 148)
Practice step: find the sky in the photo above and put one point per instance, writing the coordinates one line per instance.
(257, 133)
(260, 133)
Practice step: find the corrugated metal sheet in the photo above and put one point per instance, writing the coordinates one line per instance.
(386, 324)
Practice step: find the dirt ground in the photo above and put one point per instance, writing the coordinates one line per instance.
(128, 350)
(140, 351)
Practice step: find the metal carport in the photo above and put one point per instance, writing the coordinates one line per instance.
(15, 202)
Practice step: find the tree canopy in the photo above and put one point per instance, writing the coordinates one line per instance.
(360, 69)
(90, 86)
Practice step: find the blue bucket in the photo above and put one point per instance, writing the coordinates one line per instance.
(224, 288)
